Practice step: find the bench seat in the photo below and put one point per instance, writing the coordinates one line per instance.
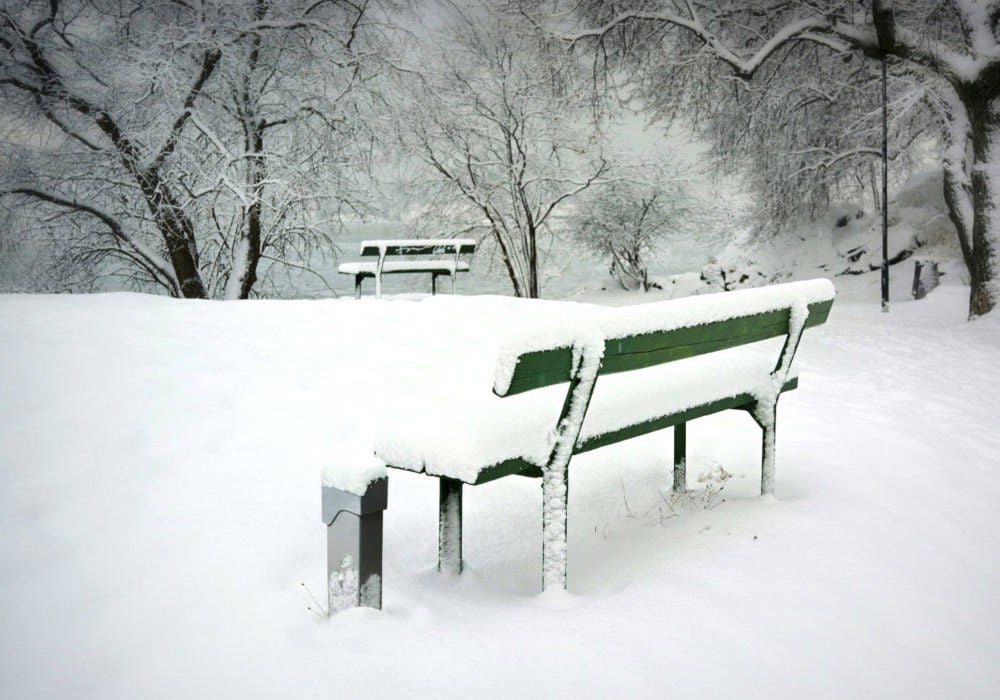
(492, 437)
(587, 377)
(367, 269)
(387, 252)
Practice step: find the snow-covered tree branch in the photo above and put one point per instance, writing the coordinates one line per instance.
(712, 51)
(506, 133)
(219, 132)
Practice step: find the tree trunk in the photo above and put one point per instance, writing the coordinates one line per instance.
(957, 187)
(245, 267)
(247, 247)
(981, 250)
(173, 223)
(983, 264)
(505, 255)
(531, 255)
(253, 226)
(177, 230)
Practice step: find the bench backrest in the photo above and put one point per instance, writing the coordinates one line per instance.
(650, 334)
(419, 246)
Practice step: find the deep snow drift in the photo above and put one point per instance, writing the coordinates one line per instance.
(159, 501)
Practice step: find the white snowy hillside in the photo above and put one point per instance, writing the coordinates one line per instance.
(160, 470)
(847, 240)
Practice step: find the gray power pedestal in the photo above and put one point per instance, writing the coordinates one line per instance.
(354, 545)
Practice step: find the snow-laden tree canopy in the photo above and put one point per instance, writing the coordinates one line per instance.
(189, 147)
(739, 66)
(504, 129)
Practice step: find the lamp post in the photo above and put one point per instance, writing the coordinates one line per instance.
(885, 30)
(885, 191)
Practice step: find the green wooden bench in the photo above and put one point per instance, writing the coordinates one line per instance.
(448, 266)
(669, 339)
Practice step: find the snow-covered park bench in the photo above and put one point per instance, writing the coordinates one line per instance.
(447, 263)
(590, 377)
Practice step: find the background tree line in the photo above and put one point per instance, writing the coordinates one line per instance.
(783, 90)
(202, 148)
(190, 147)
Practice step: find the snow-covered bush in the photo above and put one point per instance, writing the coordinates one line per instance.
(625, 221)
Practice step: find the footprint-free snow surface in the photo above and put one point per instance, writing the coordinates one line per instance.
(160, 468)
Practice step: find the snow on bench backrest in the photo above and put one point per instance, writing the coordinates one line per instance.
(649, 334)
(419, 246)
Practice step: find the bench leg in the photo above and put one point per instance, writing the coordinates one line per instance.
(450, 526)
(434, 283)
(357, 286)
(767, 468)
(680, 458)
(767, 418)
(555, 508)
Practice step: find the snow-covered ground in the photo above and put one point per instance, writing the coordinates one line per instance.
(159, 503)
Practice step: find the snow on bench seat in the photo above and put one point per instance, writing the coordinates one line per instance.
(657, 366)
(368, 268)
(463, 441)
(383, 249)
(466, 438)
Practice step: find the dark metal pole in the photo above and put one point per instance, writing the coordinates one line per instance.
(885, 28)
(885, 191)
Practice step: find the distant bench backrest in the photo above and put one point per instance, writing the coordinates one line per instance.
(419, 246)
(650, 334)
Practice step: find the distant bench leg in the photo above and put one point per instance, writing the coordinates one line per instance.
(680, 458)
(434, 283)
(357, 286)
(450, 526)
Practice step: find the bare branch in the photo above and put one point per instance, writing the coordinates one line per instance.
(137, 251)
(209, 61)
(743, 67)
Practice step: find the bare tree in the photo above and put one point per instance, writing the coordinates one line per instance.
(625, 220)
(281, 137)
(949, 49)
(179, 145)
(52, 57)
(502, 125)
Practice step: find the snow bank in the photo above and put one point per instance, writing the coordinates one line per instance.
(160, 510)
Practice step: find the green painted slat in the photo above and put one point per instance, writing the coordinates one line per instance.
(438, 249)
(648, 349)
(818, 313)
(519, 466)
(541, 368)
(546, 367)
(660, 422)
(508, 468)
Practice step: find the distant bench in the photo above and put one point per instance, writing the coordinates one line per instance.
(692, 358)
(449, 267)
